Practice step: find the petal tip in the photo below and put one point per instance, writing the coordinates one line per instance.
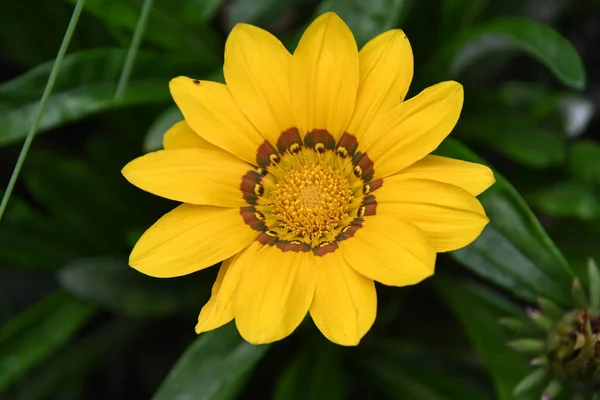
(458, 87)
(396, 33)
(135, 260)
(329, 14)
(255, 338)
(241, 27)
(330, 18)
(486, 179)
(128, 171)
(177, 81)
(200, 328)
(181, 83)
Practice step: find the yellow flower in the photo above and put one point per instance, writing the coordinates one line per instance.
(310, 176)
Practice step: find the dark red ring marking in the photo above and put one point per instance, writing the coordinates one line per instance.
(249, 186)
(289, 140)
(250, 216)
(325, 248)
(267, 238)
(319, 136)
(266, 155)
(370, 205)
(348, 143)
(349, 231)
(365, 164)
(372, 186)
(294, 245)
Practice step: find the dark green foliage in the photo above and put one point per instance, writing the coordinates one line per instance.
(79, 323)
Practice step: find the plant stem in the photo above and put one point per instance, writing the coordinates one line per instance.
(45, 96)
(133, 49)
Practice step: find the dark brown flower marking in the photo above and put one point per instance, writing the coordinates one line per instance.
(253, 218)
(290, 141)
(349, 230)
(346, 146)
(324, 248)
(369, 205)
(372, 186)
(294, 245)
(251, 187)
(267, 237)
(320, 140)
(363, 166)
(266, 155)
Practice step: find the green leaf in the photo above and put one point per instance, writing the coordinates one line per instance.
(577, 112)
(478, 309)
(216, 367)
(111, 283)
(517, 137)
(579, 241)
(459, 14)
(552, 391)
(550, 309)
(31, 337)
(407, 375)
(594, 285)
(73, 364)
(154, 137)
(527, 106)
(527, 346)
(86, 85)
(202, 10)
(578, 294)
(25, 228)
(322, 366)
(76, 196)
(368, 19)
(584, 161)
(535, 378)
(572, 111)
(513, 251)
(538, 40)
(177, 25)
(567, 199)
(258, 12)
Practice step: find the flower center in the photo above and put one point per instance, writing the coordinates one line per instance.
(309, 194)
(311, 200)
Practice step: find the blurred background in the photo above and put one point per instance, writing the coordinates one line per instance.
(77, 323)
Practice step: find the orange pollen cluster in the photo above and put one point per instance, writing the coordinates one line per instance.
(311, 200)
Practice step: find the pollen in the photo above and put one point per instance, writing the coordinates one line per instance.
(311, 200)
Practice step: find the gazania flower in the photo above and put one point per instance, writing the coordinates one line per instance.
(309, 175)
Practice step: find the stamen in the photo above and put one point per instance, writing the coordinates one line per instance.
(311, 200)
(309, 194)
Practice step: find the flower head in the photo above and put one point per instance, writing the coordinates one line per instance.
(309, 175)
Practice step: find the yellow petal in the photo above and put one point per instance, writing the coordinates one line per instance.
(274, 293)
(219, 309)
(412, 130)
(449, 216)
(211, 112)
(181, 136)
(345, 302)
(389, 250)
(257, 72)
(190, 238)
(324, 78)
(190, 175)
(472, 177)
(386, 70)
